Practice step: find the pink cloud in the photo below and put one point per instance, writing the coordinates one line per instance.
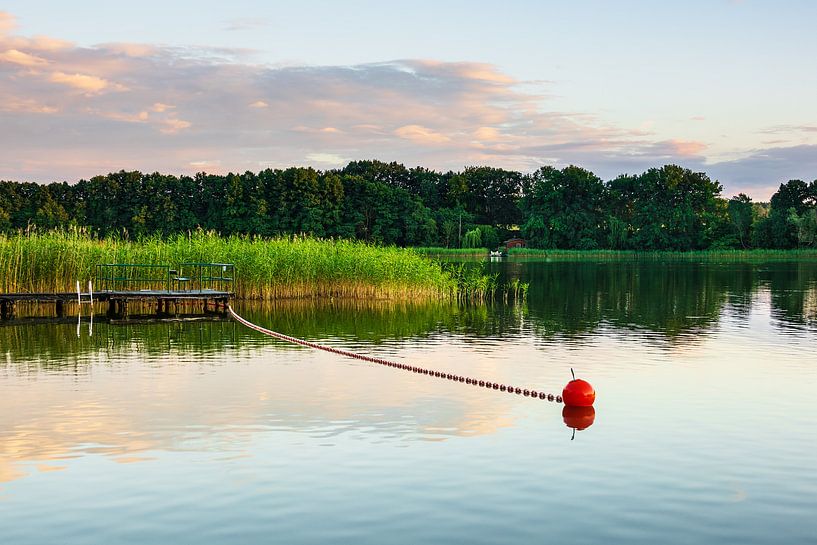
(131, 50)
(487, 133)
(151, 107)
(421, 135)
(83, 82)
(14, 104)
(14, 56)
(140, 117)
(173, 125)
(687, 148)
(7, 23)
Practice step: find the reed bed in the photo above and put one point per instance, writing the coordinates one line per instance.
(473, 284)
(266, 268)
(441, 251)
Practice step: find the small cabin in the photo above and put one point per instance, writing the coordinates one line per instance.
(514, 243)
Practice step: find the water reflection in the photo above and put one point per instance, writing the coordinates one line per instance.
(671, 300)
(127, 406)
(579, 418)
(234, 432)
(130, 390)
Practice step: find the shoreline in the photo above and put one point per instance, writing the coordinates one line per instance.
(623, 255)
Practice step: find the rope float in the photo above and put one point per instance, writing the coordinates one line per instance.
(577, 392)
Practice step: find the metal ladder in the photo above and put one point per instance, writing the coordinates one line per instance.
(85, 298)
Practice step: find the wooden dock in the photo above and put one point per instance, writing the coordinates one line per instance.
(168, 292)
(165, 302)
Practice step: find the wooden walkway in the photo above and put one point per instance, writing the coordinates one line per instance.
(167, 302)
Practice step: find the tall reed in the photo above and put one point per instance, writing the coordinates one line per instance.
(266, 268)
(447, 252)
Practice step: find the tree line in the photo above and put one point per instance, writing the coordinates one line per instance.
(667, 208)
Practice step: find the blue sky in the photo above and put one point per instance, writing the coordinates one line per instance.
(721, 85)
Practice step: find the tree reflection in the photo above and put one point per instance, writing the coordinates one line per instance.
(670, 299)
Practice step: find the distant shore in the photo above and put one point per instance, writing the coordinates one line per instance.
(709, 255)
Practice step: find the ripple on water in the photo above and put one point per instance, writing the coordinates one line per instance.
(210, 433)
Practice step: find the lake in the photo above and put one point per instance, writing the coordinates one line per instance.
(208, 432)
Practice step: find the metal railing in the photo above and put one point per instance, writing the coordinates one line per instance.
(132, 277)
(208, 276)
(188, 277)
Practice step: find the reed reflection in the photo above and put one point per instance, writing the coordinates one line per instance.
(567, 299)
(129, 390)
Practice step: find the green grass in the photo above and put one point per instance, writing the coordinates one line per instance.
(266, 268)
(698, 255)
(440, 251)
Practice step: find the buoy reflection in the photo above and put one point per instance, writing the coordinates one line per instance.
(578, 418)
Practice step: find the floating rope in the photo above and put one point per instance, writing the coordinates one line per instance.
(527, 392)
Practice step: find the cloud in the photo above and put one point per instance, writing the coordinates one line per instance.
(151, 107)
(478, 72)
(421, 135)
(777, 129)
(83, 82)
(487, 133)
(14, 104)
(130, 50)
(7, 23)
(212, 165)
(760, 172)
(327, 159)
(140, 117)
(686, 148)
(23, 59)
(173, 125)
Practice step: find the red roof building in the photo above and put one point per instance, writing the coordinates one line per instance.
(514, 243)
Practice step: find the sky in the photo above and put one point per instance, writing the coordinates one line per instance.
(728, 87)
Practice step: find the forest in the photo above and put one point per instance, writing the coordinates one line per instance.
(667, 208)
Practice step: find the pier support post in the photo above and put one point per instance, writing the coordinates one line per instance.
(60, 308)
(9, 310)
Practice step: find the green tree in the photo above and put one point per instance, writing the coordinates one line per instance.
(452, 223)
(562, 208)
(806, 226)
(472, 239)
(674, 209)
(491, 194)
(490, 236)
(791, 199)
(741, 218)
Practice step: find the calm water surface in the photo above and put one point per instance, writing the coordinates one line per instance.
(210, 433)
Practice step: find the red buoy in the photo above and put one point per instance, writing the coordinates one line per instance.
(578, 393)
